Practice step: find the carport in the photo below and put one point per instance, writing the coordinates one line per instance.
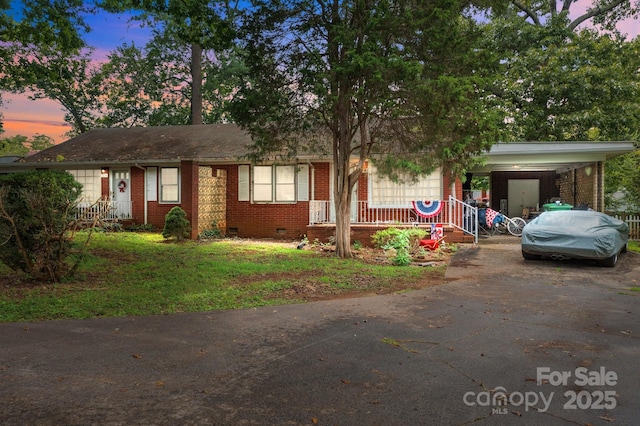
(526, 175)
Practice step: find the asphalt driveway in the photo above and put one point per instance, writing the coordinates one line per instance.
(506, 342)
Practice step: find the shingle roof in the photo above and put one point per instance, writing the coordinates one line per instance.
(122, 145)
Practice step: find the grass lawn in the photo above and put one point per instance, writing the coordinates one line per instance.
(141, 274)
(634, 246)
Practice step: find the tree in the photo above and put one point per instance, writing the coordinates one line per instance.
(44, 54)
(149, 86)
(22, 145)
(562, 83)
(622, 183)
(199, 24)
(568, 86)
(605, 13)
(37, 211)
(397, 81)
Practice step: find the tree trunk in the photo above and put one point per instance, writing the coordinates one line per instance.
(196, 83)
(342, 200)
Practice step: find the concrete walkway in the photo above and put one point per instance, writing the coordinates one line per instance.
(506, 342)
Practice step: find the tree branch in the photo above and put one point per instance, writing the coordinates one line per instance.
(527, 11)
(600, 10)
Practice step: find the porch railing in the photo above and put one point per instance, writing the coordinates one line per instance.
(104, 210)
(455, 213)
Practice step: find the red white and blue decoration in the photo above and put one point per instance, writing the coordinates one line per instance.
(428, 209)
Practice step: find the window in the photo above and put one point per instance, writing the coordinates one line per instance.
(285, 183)
(386, 193)
(262, 184)
(169, 185)
(91, 184)
(274, 184)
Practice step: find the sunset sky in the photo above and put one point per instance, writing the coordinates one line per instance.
(25, 117)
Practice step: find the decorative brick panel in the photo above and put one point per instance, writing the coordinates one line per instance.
(212, 200)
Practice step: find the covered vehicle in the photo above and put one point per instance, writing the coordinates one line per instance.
(575, 234)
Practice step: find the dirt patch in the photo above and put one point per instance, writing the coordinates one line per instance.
(312, 286)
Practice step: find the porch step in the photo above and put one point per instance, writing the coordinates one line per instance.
(456, 236)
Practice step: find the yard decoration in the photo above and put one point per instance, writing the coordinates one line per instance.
(427, 209)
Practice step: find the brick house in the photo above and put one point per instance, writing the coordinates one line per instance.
(141, 173)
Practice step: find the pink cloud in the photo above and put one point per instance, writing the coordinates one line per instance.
(22, 116)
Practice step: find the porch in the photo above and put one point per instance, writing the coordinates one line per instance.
(459, 220)
(103, 210)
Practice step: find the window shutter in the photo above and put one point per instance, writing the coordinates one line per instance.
(303, 182)
(152, 184)
(243, 183)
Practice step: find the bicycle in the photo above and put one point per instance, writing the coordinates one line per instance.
(513, 225)
(499, 223)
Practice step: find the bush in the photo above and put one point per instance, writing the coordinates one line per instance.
(37, 211)
(405, 242)
(176, 224)
(213, 233)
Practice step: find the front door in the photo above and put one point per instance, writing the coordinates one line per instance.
(121, 190)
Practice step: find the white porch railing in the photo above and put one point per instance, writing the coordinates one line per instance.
(104, 210)
(455, 213)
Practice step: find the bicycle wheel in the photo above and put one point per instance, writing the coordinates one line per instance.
(515, 225)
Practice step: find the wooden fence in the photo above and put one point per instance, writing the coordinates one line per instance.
(633, 220)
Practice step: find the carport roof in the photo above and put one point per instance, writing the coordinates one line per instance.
(558, 156)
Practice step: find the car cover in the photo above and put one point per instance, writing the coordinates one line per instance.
(575, 233)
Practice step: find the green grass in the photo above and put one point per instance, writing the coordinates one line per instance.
(634, 246)
(128, 274)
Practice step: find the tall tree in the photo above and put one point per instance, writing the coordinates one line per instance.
(395, 80)
(199, 24)
(45, 55)
(605, 13)
(150, 86)
(560, 82)
(562, 85)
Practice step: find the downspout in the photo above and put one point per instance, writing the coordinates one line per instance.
(312, 180)
(575, 187)
(312, 196)
(144, 180)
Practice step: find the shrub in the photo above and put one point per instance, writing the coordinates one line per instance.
(405, 242)
(37, 213)
(212, 233)
(176, 224)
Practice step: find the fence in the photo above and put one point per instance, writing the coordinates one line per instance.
(633, 220)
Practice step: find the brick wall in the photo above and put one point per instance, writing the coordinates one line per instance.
(286, 221)
(243, 218)
(580, 186)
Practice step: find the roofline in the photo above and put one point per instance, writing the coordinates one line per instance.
(15, 166)
(617, 147)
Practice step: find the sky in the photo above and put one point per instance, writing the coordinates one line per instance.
(25, 117)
